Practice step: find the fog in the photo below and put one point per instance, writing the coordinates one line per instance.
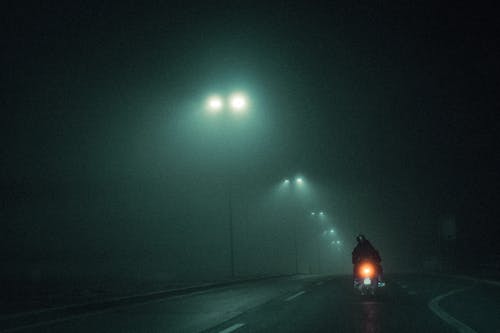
(112, 167)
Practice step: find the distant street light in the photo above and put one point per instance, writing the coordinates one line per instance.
(320, 214)
(328, 235)
(299, 181)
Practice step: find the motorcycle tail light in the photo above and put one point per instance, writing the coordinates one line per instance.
(366, 270)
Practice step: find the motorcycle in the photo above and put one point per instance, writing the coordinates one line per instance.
(367, 278)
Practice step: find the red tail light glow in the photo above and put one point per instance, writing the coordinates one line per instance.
(366, 270)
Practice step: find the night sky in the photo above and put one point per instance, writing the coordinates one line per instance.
(388, 111)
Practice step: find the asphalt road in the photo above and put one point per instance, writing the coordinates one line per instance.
(409, 303)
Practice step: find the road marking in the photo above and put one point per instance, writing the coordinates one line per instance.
(411, 292)
(404, 286)
(438, 311)
(319, 283)
(367, 302)
(470, 278)
(232, 328)
(295, 296)
(494, 283)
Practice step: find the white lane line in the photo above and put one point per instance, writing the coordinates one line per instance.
(438, 311)
(470, 278)
(232, 328)
(295, 295)
(494, 283)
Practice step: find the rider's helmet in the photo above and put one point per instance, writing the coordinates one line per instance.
(360, 238)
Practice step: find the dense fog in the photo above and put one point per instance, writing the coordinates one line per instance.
(356, 121)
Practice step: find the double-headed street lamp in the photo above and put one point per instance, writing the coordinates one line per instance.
(297, 182)
(237, 103)
(320, 216)
(320, 213)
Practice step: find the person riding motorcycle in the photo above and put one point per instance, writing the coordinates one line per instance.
(364, 250)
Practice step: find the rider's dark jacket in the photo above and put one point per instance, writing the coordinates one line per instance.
(365, 250)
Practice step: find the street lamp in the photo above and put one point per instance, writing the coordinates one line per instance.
(238, 103)
(298, 182)
(319, 216)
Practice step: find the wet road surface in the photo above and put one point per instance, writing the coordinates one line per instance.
(409, 303)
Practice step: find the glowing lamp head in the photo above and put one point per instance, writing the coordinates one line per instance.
(238, 102)
(214, 104)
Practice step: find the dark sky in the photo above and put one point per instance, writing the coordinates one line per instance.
(390, 109)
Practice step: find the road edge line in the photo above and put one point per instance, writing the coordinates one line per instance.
(445, 316)
(295, 295)
(467, 277)
(232, 328)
